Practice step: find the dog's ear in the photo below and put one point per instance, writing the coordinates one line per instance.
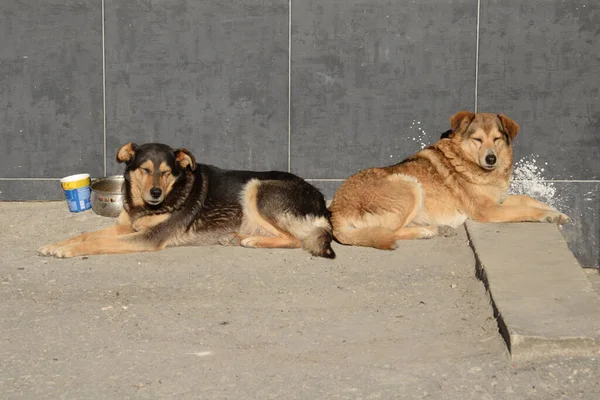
(447, 134)
(510, 127)
(127, 152)
(460, 121)
(185, 159)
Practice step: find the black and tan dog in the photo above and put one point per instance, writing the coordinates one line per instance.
(466, 174)
(169, 200)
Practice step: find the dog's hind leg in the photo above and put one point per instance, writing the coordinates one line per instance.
(298, 209)
(382, 217)
(294, 212)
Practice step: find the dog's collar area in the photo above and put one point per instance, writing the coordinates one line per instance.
(148, 209)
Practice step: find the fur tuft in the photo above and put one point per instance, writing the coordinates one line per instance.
(376, 236)
(315, 233)
(319, 243)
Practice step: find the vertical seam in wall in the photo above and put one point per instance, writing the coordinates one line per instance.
(477, 53)
(289, 155)
(103, 92)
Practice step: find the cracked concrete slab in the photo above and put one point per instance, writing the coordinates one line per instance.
(544, 301)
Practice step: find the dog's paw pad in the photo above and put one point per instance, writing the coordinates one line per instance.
(446, 231)
(428, 232)
(63, 252)
(391, 246)
(563, 219)
(558, 218)
(230, 240)
(249, 242)
(47, 250)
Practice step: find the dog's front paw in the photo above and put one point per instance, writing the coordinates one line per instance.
(48, 250)
(564, 219)
(65, 252)
(556, 217)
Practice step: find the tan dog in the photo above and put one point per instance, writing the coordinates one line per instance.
(464, 175)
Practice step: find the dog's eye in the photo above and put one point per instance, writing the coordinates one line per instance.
(478, 140)
(496, 139)
(166, 173)
(145, 170)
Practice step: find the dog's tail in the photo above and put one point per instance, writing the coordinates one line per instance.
(376, 236)
(317, 240)
(313, 231)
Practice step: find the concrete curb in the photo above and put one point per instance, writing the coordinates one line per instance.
(543, 301)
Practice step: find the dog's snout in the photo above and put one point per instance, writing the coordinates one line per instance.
(155, 192)
(490, 159)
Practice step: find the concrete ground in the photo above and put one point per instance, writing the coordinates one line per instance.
(234, 323)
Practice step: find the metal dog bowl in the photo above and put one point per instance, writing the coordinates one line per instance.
(107, 197)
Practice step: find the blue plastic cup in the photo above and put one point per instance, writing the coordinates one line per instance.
(77, 191)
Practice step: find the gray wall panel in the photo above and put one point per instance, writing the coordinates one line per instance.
(34, 189)
(540, 65)
(581, 201)
(50, 88)
(363, 71)
(328, 188)
(208, 75)
(372, 81)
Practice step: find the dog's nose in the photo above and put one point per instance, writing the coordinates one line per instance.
(155, 192)
(490, 159)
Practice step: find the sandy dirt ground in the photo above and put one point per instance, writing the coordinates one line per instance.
(233, 323)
